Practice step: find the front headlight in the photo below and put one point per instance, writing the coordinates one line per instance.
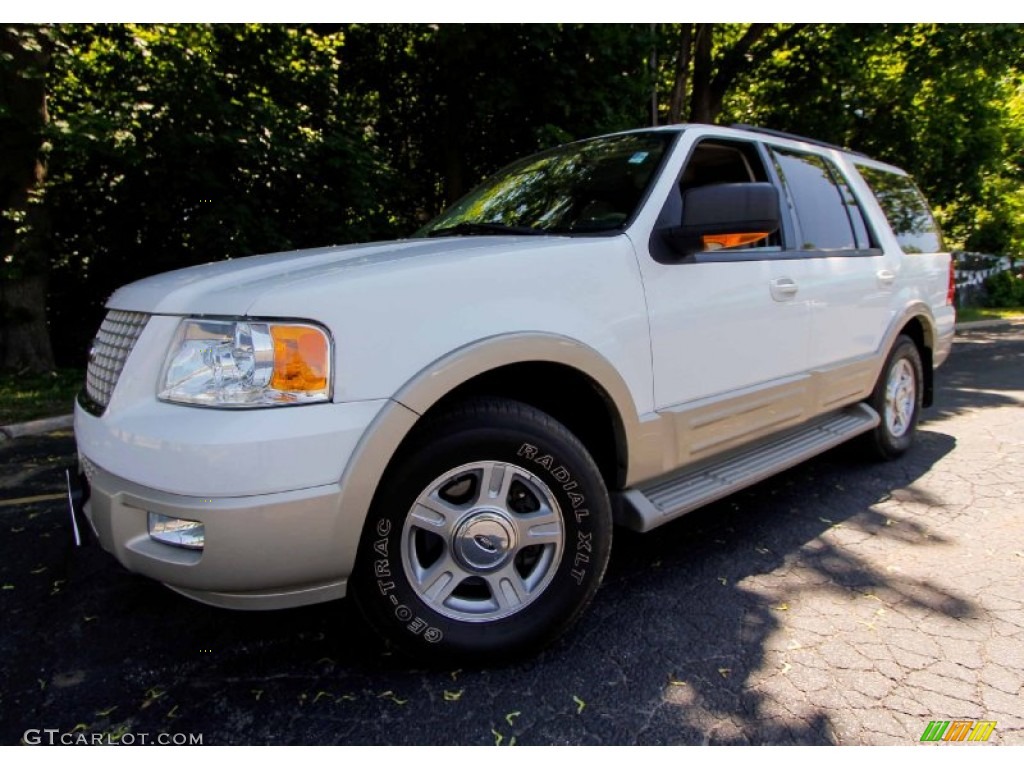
(247, 364)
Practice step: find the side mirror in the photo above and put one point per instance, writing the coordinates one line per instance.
(725, 216)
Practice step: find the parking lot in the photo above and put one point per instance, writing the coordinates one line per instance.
(842, 602)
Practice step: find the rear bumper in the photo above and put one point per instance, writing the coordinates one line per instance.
(269, 551)
(945, 330)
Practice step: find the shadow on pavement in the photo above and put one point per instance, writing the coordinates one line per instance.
(984, 376)
(664, 656)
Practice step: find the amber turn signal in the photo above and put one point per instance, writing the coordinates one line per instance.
(713, 242)
(300, 358)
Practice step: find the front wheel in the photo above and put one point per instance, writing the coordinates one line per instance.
(487, 538)
(897, 398)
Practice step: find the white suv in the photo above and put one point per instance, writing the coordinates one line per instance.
(618, 330)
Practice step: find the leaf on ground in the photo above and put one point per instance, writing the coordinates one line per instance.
(453, 695)
(173, 713)
(152, 695)
(322, 694)
(580, 703)
(781, 607)
(510, 718)
(105, 712)
(673, 681)
(498, 738)
(724, 580)
(257, 692)
(724, 671)
(80, 727)
(455, 674)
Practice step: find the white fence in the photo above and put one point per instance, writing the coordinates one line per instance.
(971, 270)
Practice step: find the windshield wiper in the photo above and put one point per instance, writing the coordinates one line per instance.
(484, 228)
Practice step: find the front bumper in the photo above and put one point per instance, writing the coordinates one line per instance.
(272, 487)
(270, 551)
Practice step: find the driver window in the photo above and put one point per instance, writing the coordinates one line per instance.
(722, 162)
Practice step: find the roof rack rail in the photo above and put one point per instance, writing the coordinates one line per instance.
(794, 137)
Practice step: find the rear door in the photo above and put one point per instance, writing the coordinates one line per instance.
(846, 278)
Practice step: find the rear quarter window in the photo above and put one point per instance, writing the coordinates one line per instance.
(906, 209)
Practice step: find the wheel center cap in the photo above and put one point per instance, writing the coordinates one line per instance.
(484, 541)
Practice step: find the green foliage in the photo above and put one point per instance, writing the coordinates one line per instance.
(171, 145)
(941, 100)
(176, 145)
(1005, 289)
(450, 104)
(24, 397)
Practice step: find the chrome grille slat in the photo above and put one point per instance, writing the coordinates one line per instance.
(114, 342)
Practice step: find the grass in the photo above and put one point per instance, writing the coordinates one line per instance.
(970, 314)
(24, 397)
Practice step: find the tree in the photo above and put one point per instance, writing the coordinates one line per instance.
(181, 144)
(934, 99)
(450, 103)
(708, 59)
(24, 227)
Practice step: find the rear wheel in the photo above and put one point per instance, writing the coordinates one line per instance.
(897, 399)
(487, 538)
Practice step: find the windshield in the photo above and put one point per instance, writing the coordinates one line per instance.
(589, 186)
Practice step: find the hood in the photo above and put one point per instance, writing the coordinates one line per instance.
(231, 287)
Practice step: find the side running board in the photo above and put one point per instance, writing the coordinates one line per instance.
(656, 502)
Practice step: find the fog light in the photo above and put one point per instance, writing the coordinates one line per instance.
(188, 534)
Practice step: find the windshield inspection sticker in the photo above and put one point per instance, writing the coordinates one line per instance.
(637, 158)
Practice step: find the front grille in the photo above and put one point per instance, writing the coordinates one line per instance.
(86, 467)
(111, 347)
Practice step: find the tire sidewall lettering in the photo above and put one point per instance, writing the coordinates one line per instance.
(576, 556)
(546, 463)
(386, 586)
(387, 593)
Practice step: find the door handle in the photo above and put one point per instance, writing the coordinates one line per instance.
(783, 288)
(886, 276)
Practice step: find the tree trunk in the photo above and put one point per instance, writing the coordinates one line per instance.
(24, 227)
(682, 83)
(700, 100)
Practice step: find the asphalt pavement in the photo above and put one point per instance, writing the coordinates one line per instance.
(842, 602)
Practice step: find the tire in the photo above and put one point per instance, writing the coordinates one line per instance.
(444, 570)
(897, 399)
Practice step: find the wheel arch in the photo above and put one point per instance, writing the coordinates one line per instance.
(562, 377)
(466, 371)
(920, 328)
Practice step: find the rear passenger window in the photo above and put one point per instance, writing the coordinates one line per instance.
(905, 208)
(825, 210)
